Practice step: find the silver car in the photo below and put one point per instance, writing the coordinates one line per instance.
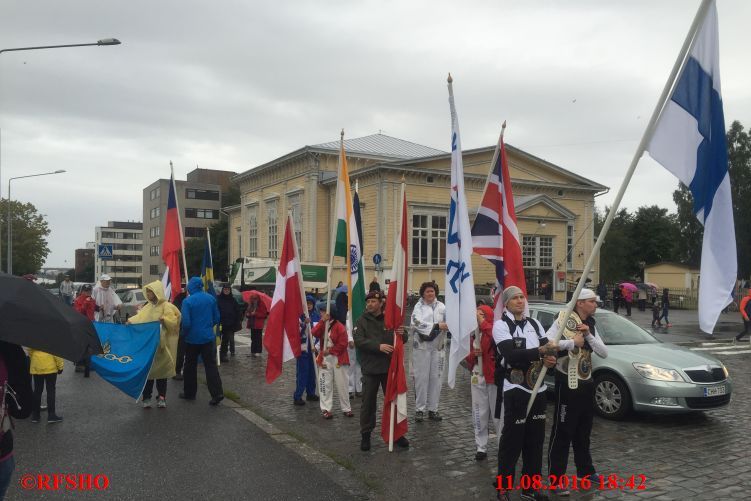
(642, 373)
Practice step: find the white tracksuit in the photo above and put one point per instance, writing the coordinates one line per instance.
(354, 372)
(483, 405)
(428, 357)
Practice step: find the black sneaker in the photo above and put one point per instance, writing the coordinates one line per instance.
(481, 456)
(54, 418)
(365, 442)
(177, 377)
(299, 401)
(402, 442)
(35, 418)
(419, 416)
(531, 495)
(434, 416)
(215, 401)
(223, 360)
(186, 397)
(312, 398)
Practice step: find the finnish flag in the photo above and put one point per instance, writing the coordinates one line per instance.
(689, 141)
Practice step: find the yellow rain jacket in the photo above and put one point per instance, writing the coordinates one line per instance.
(164, 360)
(44, 363)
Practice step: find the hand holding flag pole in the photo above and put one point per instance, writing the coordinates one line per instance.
(649, 131)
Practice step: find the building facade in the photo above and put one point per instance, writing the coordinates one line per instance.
(125, 266)
(555, 209)
(199, 200)
(84, 270)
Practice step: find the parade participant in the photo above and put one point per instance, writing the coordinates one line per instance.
(521, 342)
(574, 409)
(16, 404)
(745, 309)
(333, 363)
(67, 290)
(483, 382)
(200, 315)
(429, 327)
(44, 369)
(228, 317)
(376, 345)
(306, 372)
(107, 301)
(256, 313)
(374, 285)
(158, 309)
(85, 305)
(180, 359)
(665, 307)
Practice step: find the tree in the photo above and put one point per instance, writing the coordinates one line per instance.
(30, 230)
(615, 254)
(653, 235)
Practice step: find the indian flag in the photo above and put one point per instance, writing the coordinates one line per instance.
(347, 243)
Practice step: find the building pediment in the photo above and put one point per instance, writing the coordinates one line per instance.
(541, 207)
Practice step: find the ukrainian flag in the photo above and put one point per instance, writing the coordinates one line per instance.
(207, 267)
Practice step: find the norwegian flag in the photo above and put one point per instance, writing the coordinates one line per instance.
(172, 245)
(494, 233)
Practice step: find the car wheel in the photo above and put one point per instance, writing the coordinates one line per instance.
(612, 399)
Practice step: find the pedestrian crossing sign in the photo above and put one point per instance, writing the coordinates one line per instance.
(105, 251)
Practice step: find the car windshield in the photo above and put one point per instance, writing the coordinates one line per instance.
(139, 296)
(613, 328)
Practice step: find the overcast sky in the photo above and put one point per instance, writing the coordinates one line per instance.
(233, 84)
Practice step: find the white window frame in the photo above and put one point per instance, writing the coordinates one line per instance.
(253, 231)
(272, 217)
(433, 236)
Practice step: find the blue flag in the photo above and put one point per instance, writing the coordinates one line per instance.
(128, 354)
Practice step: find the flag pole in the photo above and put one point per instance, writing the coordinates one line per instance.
(179, 222)
(211, 260)
(661, 102)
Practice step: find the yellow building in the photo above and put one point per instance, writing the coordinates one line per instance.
(672, 275)
(555, 208)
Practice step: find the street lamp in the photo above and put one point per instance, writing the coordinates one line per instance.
(103, 41)
(10, 226)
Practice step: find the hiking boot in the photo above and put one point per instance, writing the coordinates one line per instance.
(215, 401)
(434, 416)
(312, 398)
(402, 442)
(481, 456)
(161, 403)
(147, 403)
(419, 416)
(365, 442)
(54, 418)
(299, 401)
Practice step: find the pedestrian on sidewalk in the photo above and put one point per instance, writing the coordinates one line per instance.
(617, 297)
(628, 298)
(229, 314)
(44, 369)
(665, 307)
(67, 290)
(745, 309)
(484, 390)
(428, 323)
(200, 316)
(158, 309)
(333, 362)
(86, 306)
(376, 345)
(642, 295)
(305, 370)
(180, 358)
(374, 285)
(14, 373)
(257, 314)
(656, 309)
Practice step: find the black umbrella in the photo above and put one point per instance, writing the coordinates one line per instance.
(31, 316)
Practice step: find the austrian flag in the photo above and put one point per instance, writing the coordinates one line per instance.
(282, 339)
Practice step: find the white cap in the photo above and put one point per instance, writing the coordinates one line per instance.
(587, 294)
(104, 277)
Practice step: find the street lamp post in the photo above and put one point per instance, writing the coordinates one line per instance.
(10, 221)
(102, 42)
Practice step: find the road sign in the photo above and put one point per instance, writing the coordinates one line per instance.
(376, 259)
(104, 251)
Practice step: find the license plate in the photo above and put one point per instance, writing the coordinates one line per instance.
(714, 391)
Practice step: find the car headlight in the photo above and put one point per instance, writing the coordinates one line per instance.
(725, 371)
(649, 371)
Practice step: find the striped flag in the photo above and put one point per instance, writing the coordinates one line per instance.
(461, 310)
(396, 300)
(171, 245)
(347, 243)
(689, 141)
(494, 233)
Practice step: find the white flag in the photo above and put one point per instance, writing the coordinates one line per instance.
(461, 308)
(689, 141)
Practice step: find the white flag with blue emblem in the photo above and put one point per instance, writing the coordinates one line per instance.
(461, 308)
(689, 141)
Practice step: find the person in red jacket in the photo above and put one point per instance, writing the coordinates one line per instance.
(256, 313)
(333, 362)
(745, 308)
(483, 385)
(86, 306)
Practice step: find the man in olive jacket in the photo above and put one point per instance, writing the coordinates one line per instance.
(375, 344)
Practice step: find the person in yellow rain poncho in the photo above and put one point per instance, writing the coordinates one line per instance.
(158, 309)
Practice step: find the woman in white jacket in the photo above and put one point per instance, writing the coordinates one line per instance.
(428, 327)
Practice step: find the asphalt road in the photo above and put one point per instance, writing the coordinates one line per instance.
(187, 451)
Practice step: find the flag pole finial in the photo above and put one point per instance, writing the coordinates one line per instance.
(342, 134)
(503, 129)
(403, 178)
(449, 79)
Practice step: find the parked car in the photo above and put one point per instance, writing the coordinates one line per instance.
(133, 299)
(642, 373)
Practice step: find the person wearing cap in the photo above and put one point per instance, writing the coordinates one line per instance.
(305, 377)
(483, 381)
(333, 362)
(67, 290)
(428, 323)
(86, 306)
(574, 408)
(376, 345)
(524, 349)
(106, 300)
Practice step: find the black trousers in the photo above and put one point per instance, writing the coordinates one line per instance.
(256, 340)
(190, 381)
(574, 410)
(616, 304)
(161, 388)
(228, 341)
(521, 434)
(180, 354)
(40, 381)
(370, 383)
(746, 325)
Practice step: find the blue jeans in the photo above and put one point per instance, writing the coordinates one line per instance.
(306, 375)
(68, 300)
(6, 472)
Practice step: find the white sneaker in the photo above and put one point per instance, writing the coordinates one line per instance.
(161, 403)
(147, 403)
